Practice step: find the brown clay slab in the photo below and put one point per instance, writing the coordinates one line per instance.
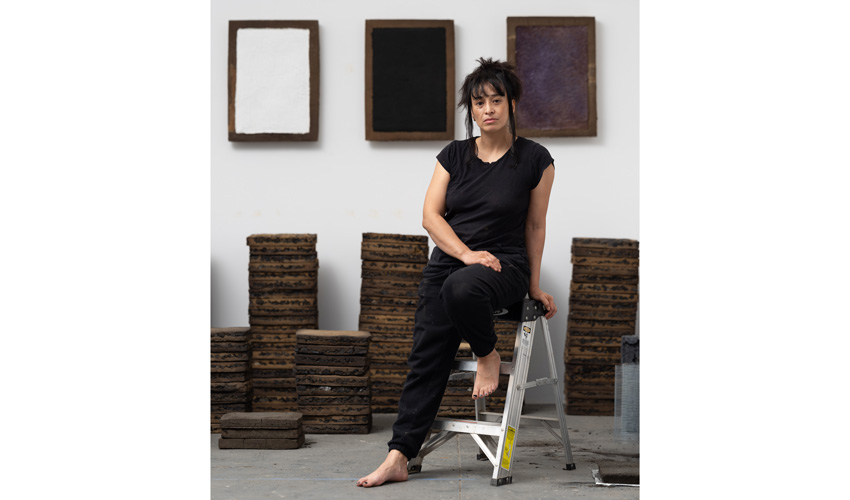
(332, 337)
(330, 370)
(230, 334)
(335, 400)
(260, 444)
(332, 350)
(250, 420)
(311, 410)
(605, 242)
(337, 380)
(262, 433)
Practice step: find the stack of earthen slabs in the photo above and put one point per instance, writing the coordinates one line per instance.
(261, 431)
(603, 308)
(332, 376)
(392, 267)
(283, 288)
(230, 373)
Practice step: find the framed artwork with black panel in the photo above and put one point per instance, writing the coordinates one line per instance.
(410, 78)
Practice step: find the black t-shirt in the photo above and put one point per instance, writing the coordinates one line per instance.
(487, 203)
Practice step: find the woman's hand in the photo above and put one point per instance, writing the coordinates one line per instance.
(484, 258)
(547, 300)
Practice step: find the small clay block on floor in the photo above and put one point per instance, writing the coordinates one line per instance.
(261, 433)
(332, 337)
(260, 444)
(614, 472)
(267, 420)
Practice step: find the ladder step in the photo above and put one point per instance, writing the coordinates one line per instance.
(467, 426)
(468, 365)
(522, 417)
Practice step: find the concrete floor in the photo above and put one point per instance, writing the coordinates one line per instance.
(328, 465)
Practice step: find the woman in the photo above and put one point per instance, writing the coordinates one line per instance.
(485, 210)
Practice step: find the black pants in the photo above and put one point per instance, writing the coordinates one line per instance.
(454, 303)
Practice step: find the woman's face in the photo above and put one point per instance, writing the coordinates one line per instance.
(490, 110)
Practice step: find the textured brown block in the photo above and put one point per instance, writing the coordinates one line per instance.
(268, 239)
(230, 397)
(284, 322)
(338, 419)
(338, 428)
(395, 238)
(231, 386)
(603, 287)
(325, 410)
(406, 302)
(340, 399)
(612, 472)
(272, 373)
(605, 243)
(332, 350)
(631, 253)
(300, 266)
(314, 359)
(229, 356)
(593, 277)
(604, 261)
(334, 380)
(260, 444)
(331, 370)
(262, 433)
(620, 315)
(227, 367)
(219, 377)
(332, 337)
(382, 293)
(230, 346)
(230, 334)
(274, 407)
(248, 420)
(273, 382)
(323, 390)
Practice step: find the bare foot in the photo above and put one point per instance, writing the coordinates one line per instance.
(394, 468)
(487, 375)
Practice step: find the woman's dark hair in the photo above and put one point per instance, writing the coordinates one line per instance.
(502, 76)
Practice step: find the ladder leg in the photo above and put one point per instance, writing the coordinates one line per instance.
(513, 404)
(559, 394)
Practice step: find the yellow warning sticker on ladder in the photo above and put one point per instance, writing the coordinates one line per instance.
(509, 448)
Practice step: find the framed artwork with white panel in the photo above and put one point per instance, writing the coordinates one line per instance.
(273, 81)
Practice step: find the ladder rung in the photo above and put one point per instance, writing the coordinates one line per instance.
(523, 417)
(468, 365)
(467, 426)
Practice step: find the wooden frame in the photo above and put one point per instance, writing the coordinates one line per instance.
(405, 57)
(269, 105)
(556, 61)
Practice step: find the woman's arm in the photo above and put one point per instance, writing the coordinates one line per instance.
(433, 220)
(535, 236)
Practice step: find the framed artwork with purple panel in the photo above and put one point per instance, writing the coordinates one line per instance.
(556, 60)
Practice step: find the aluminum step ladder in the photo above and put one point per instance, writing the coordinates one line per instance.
(496, 433)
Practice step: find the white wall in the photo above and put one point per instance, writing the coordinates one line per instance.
(343, 186)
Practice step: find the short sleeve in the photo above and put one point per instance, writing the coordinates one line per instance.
(539, 159)
(447, 156)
